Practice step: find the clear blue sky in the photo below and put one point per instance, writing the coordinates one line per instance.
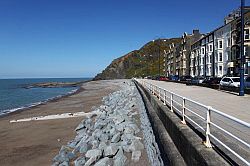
(79, 38)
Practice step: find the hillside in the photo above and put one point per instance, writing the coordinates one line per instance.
(138, 63)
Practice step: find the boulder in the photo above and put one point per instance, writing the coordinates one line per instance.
(65, 163)
(110, 150)
(84, 147)
(104, 162)
(136, 145)
(136, 155)
(116, 137)
(96, 153)
(120, 158)
(80, 161)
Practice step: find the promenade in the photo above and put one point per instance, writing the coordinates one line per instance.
(226, 102)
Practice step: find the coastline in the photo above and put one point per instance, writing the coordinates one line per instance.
(37, 104)
(37, 142)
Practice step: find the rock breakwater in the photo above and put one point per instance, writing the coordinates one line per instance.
(118, 134)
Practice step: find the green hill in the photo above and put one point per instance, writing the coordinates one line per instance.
(139, 63)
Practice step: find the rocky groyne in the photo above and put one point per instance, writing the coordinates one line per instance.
(119, 133)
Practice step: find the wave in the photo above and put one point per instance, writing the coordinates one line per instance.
(8, 111)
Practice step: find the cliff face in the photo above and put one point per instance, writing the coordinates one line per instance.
(142, 62)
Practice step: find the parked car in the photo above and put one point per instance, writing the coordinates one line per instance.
(212, 80)
(174, 77)
(185, 78)
(247, 82)
(197, 80)
(163, 78)
(230, 81)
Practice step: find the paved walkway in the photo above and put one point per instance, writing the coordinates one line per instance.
(228, 103)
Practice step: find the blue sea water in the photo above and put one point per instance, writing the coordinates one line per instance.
(13, 95)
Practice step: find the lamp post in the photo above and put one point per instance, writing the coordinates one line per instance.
(241, 92)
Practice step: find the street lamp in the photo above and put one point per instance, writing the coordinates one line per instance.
(241, 92)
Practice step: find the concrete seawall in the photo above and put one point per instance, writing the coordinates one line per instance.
(180, 145)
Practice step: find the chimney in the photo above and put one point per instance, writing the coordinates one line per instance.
(196, 32)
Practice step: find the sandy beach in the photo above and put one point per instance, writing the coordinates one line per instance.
(37, 142)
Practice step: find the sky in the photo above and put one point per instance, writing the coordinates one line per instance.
(79, 38)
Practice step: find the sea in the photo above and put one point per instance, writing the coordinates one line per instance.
(14, 97)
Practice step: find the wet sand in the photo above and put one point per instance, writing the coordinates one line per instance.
(37, 142)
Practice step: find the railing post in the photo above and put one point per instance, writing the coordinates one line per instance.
(171, 102)
(159, 93)
(208, 143)
(164, 97)
(183, 110)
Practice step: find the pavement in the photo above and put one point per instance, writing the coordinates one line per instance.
(229, 103)
(226, 102)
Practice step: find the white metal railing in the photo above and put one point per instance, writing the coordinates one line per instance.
(168, 98)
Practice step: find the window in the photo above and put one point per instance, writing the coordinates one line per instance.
(220, 57)
(220, 44)
(210, 38)
(226, 80)
(236, 79)
(210, 47)
(228, 42)
(246, 34)
(245, 50)
(220, 70)
(203, 50)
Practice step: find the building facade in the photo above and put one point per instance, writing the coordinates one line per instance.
(185, 51)
(215, 54)
(218, 53)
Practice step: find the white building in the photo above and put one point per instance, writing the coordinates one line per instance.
(222, 49)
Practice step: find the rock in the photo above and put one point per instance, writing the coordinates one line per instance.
(100, 124)
(120, 127)
(112, 132)
(120, 159)
(65, 163)
(110, 150)
(136, 145)
(95, 144)
(128, 130)
(136, 155)
(58, 158)
(116, 137)
(96, 153)
(90, 161)
(80, 161)
(65, 154)
(118, 119)
(55, 164)
(135, 128)
(104, 162)
(104, 137)
(102, 146)
(84, 147)
(97, 133)
(80, 126)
